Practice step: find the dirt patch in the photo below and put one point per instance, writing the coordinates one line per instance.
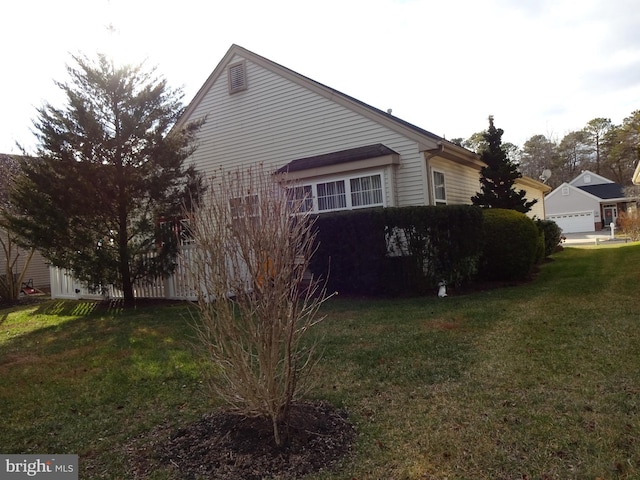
(226, 445)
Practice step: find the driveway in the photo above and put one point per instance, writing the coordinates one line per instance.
(590, 238)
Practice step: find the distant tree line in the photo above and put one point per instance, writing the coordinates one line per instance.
(601, 146)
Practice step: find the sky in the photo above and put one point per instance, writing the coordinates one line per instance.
(538, 66)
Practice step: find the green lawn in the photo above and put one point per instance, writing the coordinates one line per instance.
(540, 381)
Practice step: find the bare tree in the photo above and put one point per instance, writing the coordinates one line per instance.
(254, 239)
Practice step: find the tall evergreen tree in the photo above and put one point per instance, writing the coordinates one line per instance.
(596, 132)
(623, 149)
(497, 179)
(109, 167)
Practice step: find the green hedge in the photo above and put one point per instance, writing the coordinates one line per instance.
(552, 234)
(350, 251)
(511, 243)
(408, 251)
(398, 251)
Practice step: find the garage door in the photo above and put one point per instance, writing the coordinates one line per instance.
(574, 222)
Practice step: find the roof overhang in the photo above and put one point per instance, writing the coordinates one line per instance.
(616, 200)
(533, 183)
(455, 153)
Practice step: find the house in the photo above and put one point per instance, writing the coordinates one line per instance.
(343, 153)
(587, 203)
(37, 273)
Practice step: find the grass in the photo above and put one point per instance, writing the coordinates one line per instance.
(536, 381)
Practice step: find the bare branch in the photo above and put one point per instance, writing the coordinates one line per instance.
(254, 242)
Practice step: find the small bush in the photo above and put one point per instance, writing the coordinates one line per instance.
(254, 301)
(552, 235)
(510, 245)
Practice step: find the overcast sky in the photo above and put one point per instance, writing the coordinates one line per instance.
(539, 66)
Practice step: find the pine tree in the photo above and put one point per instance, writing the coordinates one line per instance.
(497, 179)
(108, 168)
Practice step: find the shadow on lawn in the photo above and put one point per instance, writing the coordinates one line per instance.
(91, 329)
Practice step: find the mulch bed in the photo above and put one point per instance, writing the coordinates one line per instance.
(230, 446)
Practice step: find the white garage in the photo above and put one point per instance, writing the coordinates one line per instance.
(574, 221)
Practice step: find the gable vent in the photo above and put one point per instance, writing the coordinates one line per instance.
(237, 77)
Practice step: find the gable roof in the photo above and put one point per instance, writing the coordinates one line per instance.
(556, 191)
(424, 138)
(335, 158)
(595, 179)
(601, 192)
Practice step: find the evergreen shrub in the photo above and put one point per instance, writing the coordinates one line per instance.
(510, 245)
(540, 255)
(350, 251)
(552, 234)
(398, 251)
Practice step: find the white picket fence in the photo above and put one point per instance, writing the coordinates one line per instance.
(179, 286)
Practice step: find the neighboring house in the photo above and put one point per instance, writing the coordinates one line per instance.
(587, 203)
(37, 273)
(344, 153)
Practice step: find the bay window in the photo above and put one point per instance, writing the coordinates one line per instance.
(344, 193)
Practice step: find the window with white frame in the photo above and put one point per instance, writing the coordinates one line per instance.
(331, 195)
(341, 193)
(301, 198)
(366, 191)
(439, 191)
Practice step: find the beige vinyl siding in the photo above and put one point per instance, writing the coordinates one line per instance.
(461, 182)
(38, 271)
(276, 120)
(537, 210)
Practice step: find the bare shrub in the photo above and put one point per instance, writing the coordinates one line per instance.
(630, 225)
(254, 241)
